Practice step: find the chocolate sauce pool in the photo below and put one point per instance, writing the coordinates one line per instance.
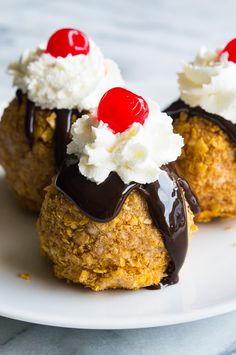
(179, 106)
(63, 126)
(165, 200)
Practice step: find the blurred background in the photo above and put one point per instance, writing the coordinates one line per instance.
(149, 39)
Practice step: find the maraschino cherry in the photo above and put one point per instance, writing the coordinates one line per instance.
(231, 49)
(119, 108)
(67, 41)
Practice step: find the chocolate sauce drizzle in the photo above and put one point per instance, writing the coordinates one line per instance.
(165, 199)
(63, 126)
(29, 122)
(179, 106)
(62, 134)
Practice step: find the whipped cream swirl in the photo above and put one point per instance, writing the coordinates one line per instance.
(210, 82)
(72, 82)
(135, 154)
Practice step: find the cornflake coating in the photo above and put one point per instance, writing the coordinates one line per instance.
(28, 170)
(208, 162)
(127, 252)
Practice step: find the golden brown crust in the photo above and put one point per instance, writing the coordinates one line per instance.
(28, 170)
(127, 252)
(208, 162)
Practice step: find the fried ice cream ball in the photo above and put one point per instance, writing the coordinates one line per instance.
(127, 252)
(208, 162)
(28, 169)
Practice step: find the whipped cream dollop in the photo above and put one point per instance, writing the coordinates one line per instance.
(210, 82)
(135, 154)
(77, 81)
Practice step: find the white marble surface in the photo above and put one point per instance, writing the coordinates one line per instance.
(149, 39)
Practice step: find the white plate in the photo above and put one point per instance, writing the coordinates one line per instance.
(207, 284)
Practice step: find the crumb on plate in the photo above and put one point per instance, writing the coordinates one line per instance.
(24, 276)
(228, 227)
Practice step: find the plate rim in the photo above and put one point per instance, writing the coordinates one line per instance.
(119, 324)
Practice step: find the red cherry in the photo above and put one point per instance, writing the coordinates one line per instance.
(231, 49)
(119, 108)
(67, 41)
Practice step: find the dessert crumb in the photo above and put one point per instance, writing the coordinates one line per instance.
(228, 227)
(24, 276)
(234, 245)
